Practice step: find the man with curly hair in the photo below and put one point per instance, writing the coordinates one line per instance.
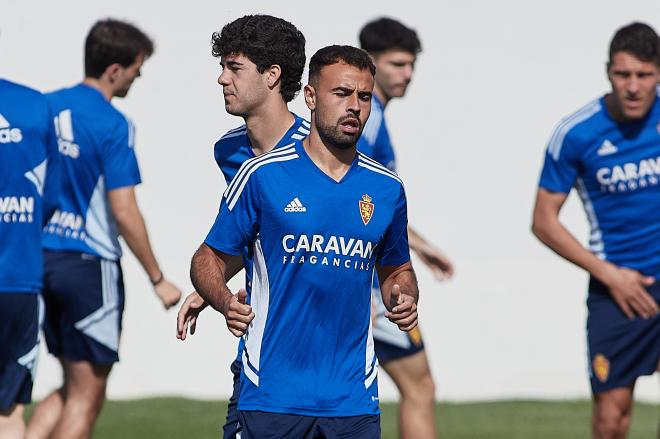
(262, 59)
(609, 150)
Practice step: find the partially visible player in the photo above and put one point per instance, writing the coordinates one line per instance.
(262, 59)
(29, 182)
(394, 48)
(308, 363)
(609, 150)
(83, 285)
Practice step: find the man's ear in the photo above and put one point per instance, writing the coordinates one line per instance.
(111, 73)
(310, 97)
(273, 75)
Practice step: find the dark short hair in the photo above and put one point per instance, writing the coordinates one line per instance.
(330, 55)
(639, 40)
(112, 41)
(266, 40)
(386, 34)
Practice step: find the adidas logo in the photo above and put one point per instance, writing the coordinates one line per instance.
(295, 206)
(607, 148)
(7, 133)
(64, 130)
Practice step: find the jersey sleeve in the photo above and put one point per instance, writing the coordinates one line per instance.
(120, 166)
(560, 169)
(394, 246)
(237, 222)
(383, 149)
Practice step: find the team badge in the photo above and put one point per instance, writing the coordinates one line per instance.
(366, 209)
(415, 336)
(601, 367)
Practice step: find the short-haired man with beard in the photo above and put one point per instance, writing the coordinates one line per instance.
(394, 48)
(83, 283)
(609, 150)
(318, 217)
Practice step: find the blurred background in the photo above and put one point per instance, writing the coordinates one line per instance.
(492, 81)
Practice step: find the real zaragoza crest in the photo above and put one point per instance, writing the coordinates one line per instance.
(366, 209)
(601, 367)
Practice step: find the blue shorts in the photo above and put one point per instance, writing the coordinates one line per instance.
(232, 426)
(620, 350)
(84, 298)
(266, 425)
(19, 347)
(391, 343)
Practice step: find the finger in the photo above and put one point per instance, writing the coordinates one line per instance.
(648, 281)
(626, 309)
(406, 303)
(240, 308)
(236, 332)
(193, 325)
(245, 319)
(409, 327)
(407, 320)
(394, 295)
(240, 326)
(242, 296)
(650, 305)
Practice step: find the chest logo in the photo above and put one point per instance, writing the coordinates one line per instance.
(366, 209)
(607, 148)
(295, 206)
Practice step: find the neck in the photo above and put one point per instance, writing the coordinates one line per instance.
(100, 85)
(267, 125)
(381, 95)
(332, 160)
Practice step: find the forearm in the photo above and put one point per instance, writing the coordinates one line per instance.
(134, 231)
(208, 273)
(415, 240)
(554, 235)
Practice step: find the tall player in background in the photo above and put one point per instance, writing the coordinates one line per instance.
(609, 150)
(394, 48)
(262, 59)
(83, 285)
(29, 182)
(309, 369)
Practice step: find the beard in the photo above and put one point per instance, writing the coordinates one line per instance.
(334, 136)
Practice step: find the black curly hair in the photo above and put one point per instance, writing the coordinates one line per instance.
(330, 55)
(386, 34)
(639, 40)
(266, 40)
(113, 41)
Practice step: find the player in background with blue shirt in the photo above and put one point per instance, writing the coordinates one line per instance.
(394, 48)
(29, 183)
(609, 150)
(83, 287)
(262, 60)
(308, 365)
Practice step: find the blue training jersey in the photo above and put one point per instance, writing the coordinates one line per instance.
(309, 349)
(230, 152)
(375, 139)
(615, 168)
(29, 180)
(97, 143)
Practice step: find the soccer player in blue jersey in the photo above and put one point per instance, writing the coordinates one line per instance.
(262, 59)
(609, 150)
(394, 48)
(29, 182)
(309, 369)
(83, 286)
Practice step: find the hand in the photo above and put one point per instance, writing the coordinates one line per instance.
(437, 261)
(237, 313)
(628, 289)
(168, 293)
(187, 316)
(404, 309)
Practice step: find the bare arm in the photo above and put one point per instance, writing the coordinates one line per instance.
(398, 286)
(626, 286)
(208, 271)
(130, 222)
(433, 258)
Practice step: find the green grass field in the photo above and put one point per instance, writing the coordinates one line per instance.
(182, 418)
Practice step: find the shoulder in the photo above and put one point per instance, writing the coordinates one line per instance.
(230, 142)
(575, 127)
(387, 176)
(374, 124)
(23, 91)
